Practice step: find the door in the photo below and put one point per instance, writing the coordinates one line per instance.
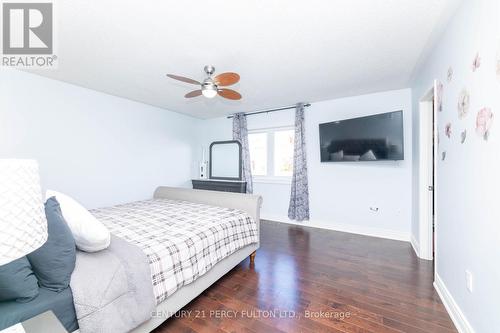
(428, 153)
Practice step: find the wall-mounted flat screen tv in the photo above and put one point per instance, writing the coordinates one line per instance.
(372, 138)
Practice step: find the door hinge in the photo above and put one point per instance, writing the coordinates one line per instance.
(431, 188)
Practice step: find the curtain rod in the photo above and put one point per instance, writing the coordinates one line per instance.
(271, 110)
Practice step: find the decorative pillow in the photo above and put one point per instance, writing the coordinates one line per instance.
(351, 158)
(17, 281)
(90, 234)
(337, 156)
(368, 156)
(54, 262)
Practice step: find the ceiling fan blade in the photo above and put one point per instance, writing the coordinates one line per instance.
(193, 93)
(183, 79)
(226, 79)
(229, 94)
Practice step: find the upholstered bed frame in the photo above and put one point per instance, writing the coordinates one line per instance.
(244, 202)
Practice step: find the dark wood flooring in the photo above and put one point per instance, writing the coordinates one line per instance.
(314, 280)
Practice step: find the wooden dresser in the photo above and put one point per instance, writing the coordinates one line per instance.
(237, 186)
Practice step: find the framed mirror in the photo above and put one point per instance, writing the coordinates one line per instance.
(225, 160)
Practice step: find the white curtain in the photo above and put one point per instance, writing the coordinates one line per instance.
(299, 197)
(240, 133)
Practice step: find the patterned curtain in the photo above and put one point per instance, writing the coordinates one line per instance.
(240, 133)
(299, 197)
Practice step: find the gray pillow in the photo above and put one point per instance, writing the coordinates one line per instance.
(368, 156)
(337, 156)
(54, 261)
(17, 281)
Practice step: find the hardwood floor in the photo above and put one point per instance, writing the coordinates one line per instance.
(314, 280)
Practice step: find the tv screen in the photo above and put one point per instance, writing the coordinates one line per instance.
(372, 138)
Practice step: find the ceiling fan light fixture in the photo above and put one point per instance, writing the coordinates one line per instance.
(209, 92)
(209, 89)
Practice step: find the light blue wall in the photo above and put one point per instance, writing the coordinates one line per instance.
(468, 211)
(100, 149)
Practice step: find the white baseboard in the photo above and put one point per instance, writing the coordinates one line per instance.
(353, 229)
(456, 314)
(416, 248)
(415, 245)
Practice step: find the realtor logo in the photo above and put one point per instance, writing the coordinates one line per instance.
(28, 29)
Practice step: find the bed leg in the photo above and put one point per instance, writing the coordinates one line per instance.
(252, 257)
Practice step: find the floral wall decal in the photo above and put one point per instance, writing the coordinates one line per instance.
(463, 103)
(449, 75)
(484, 120)
(443, 156)
(439, 96)
(447, 130)
(463, 136)
(476, 63)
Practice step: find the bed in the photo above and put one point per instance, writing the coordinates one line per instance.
(131, 286)
(190, 238)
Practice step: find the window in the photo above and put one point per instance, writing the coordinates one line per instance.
(271, 153)
(258, 153)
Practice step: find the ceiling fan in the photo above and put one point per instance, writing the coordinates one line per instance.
(210, 87)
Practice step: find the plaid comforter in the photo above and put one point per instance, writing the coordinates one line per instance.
(182, 240)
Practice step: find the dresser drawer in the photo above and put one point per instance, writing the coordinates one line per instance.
(220, 185)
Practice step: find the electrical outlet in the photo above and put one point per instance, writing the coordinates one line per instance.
(468, 280)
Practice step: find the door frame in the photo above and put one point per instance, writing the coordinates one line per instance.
(428, 150)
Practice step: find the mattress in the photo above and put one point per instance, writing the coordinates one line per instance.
(182, 240)
(61, 304)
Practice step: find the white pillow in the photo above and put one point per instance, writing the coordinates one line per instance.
(89, 233)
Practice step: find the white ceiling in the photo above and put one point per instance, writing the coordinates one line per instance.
(285, 51)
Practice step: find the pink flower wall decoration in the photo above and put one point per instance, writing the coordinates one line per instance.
(476, 63)
(447, 130)
(484, 120)
(463, 103)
